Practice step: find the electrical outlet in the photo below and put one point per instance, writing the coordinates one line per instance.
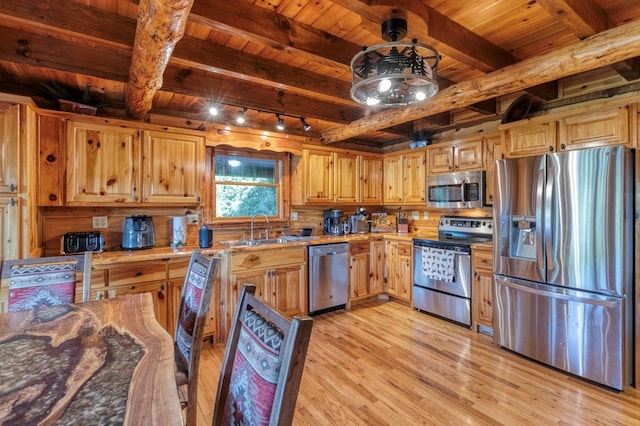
(294, 216)
(415, 215)
(425, 215)
(192, 219)
(100, 222)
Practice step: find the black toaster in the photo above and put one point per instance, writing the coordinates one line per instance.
(78, 242)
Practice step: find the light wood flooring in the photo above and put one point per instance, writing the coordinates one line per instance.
(383, 364)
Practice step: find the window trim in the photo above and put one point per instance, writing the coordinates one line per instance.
(283, 191)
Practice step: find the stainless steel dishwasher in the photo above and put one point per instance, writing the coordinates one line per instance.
(328, 277)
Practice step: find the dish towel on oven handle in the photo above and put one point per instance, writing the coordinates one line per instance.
(438, 264)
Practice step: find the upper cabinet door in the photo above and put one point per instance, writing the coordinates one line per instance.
(103, 164)
(319, 179)
(392, 180)
(172, 165)
(371, 179)
(9, 143)
(346, 178)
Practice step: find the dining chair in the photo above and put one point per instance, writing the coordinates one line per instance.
(46, 281)
(194, 305)
(262, 366)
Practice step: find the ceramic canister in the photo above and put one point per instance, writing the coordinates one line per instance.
(179, 231)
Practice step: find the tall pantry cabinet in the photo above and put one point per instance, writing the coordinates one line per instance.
(19, 234)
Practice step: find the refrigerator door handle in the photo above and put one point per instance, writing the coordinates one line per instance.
(548, 217)
(539, 222)
(609, 302)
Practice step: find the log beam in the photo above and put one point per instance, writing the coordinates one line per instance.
(606, 48)
(161, 24)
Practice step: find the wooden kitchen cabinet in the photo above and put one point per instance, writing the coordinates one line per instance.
(279, 275)
(359, 270)
(172, 165)
(115, 165)
(341, 177)
(392, 179)
(346, 177)
(482, 288)
(404, 178)
(376, 267)
(493, 152)
(601, 127)
(530, 139)
(397, 274)
(103, 164)
(371, 179)
(9, 148)
(460, 156)
(319, 176)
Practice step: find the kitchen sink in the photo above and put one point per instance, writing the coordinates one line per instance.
(279, 240)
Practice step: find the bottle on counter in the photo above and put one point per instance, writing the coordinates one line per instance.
(205, 237)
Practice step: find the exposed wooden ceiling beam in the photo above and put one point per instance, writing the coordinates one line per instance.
(606, 48)
(586, 18)
(161, 25)
(277, 31)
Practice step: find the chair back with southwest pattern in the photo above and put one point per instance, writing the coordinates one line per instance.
(262, 366)
(194, 304)
(47, 281)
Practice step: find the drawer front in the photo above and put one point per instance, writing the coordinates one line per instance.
(267, 258)
(482, 259)
(404, 249)
(138, 273)
(178, 268)
(359, 247)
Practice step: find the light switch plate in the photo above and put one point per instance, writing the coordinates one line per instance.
(192, 219)
(415, 215)
(425, 215)
(294, 216)
(100, 222)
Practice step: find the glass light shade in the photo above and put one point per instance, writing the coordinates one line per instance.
(394, 74)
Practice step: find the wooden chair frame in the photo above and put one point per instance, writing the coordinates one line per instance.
(187, 369)
(82, 265)
(292, 355)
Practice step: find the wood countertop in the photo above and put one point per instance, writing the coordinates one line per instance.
(166, 253)
(101, 362)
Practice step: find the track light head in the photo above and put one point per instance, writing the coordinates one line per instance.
(280, 123)
(306, 126)
(240, 118)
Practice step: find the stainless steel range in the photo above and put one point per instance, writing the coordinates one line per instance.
(442, 267)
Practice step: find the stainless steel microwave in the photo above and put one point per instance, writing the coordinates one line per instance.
(456, 190)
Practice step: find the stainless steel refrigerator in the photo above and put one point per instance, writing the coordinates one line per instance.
(563, 261)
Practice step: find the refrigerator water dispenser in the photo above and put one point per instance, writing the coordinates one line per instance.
(523, 237)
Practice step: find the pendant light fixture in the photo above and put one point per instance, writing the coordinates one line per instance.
(395, 73)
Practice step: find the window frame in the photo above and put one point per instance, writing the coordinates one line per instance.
(282, 192)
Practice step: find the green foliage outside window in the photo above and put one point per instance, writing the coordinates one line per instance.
(246, 186)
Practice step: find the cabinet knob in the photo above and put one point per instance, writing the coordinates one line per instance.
(475, 273)
(12, 187)
(490, 197)
(562, 146)
(550, 149)
(12, 202)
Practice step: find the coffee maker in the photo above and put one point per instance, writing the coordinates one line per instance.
(332, 222)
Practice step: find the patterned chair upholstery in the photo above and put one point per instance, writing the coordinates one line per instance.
(46, 281)
(194, 305)
(263, 365)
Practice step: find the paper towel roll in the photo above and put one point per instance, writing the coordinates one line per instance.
(179, 231)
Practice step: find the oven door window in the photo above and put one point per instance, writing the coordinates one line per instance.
(446, 193)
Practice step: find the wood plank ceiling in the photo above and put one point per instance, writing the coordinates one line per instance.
(165, 61)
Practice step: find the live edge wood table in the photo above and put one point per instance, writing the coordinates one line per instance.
(100, 362)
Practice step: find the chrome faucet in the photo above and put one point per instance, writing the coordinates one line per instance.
(253, 218)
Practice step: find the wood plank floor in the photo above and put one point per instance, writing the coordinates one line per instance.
(383, 364)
